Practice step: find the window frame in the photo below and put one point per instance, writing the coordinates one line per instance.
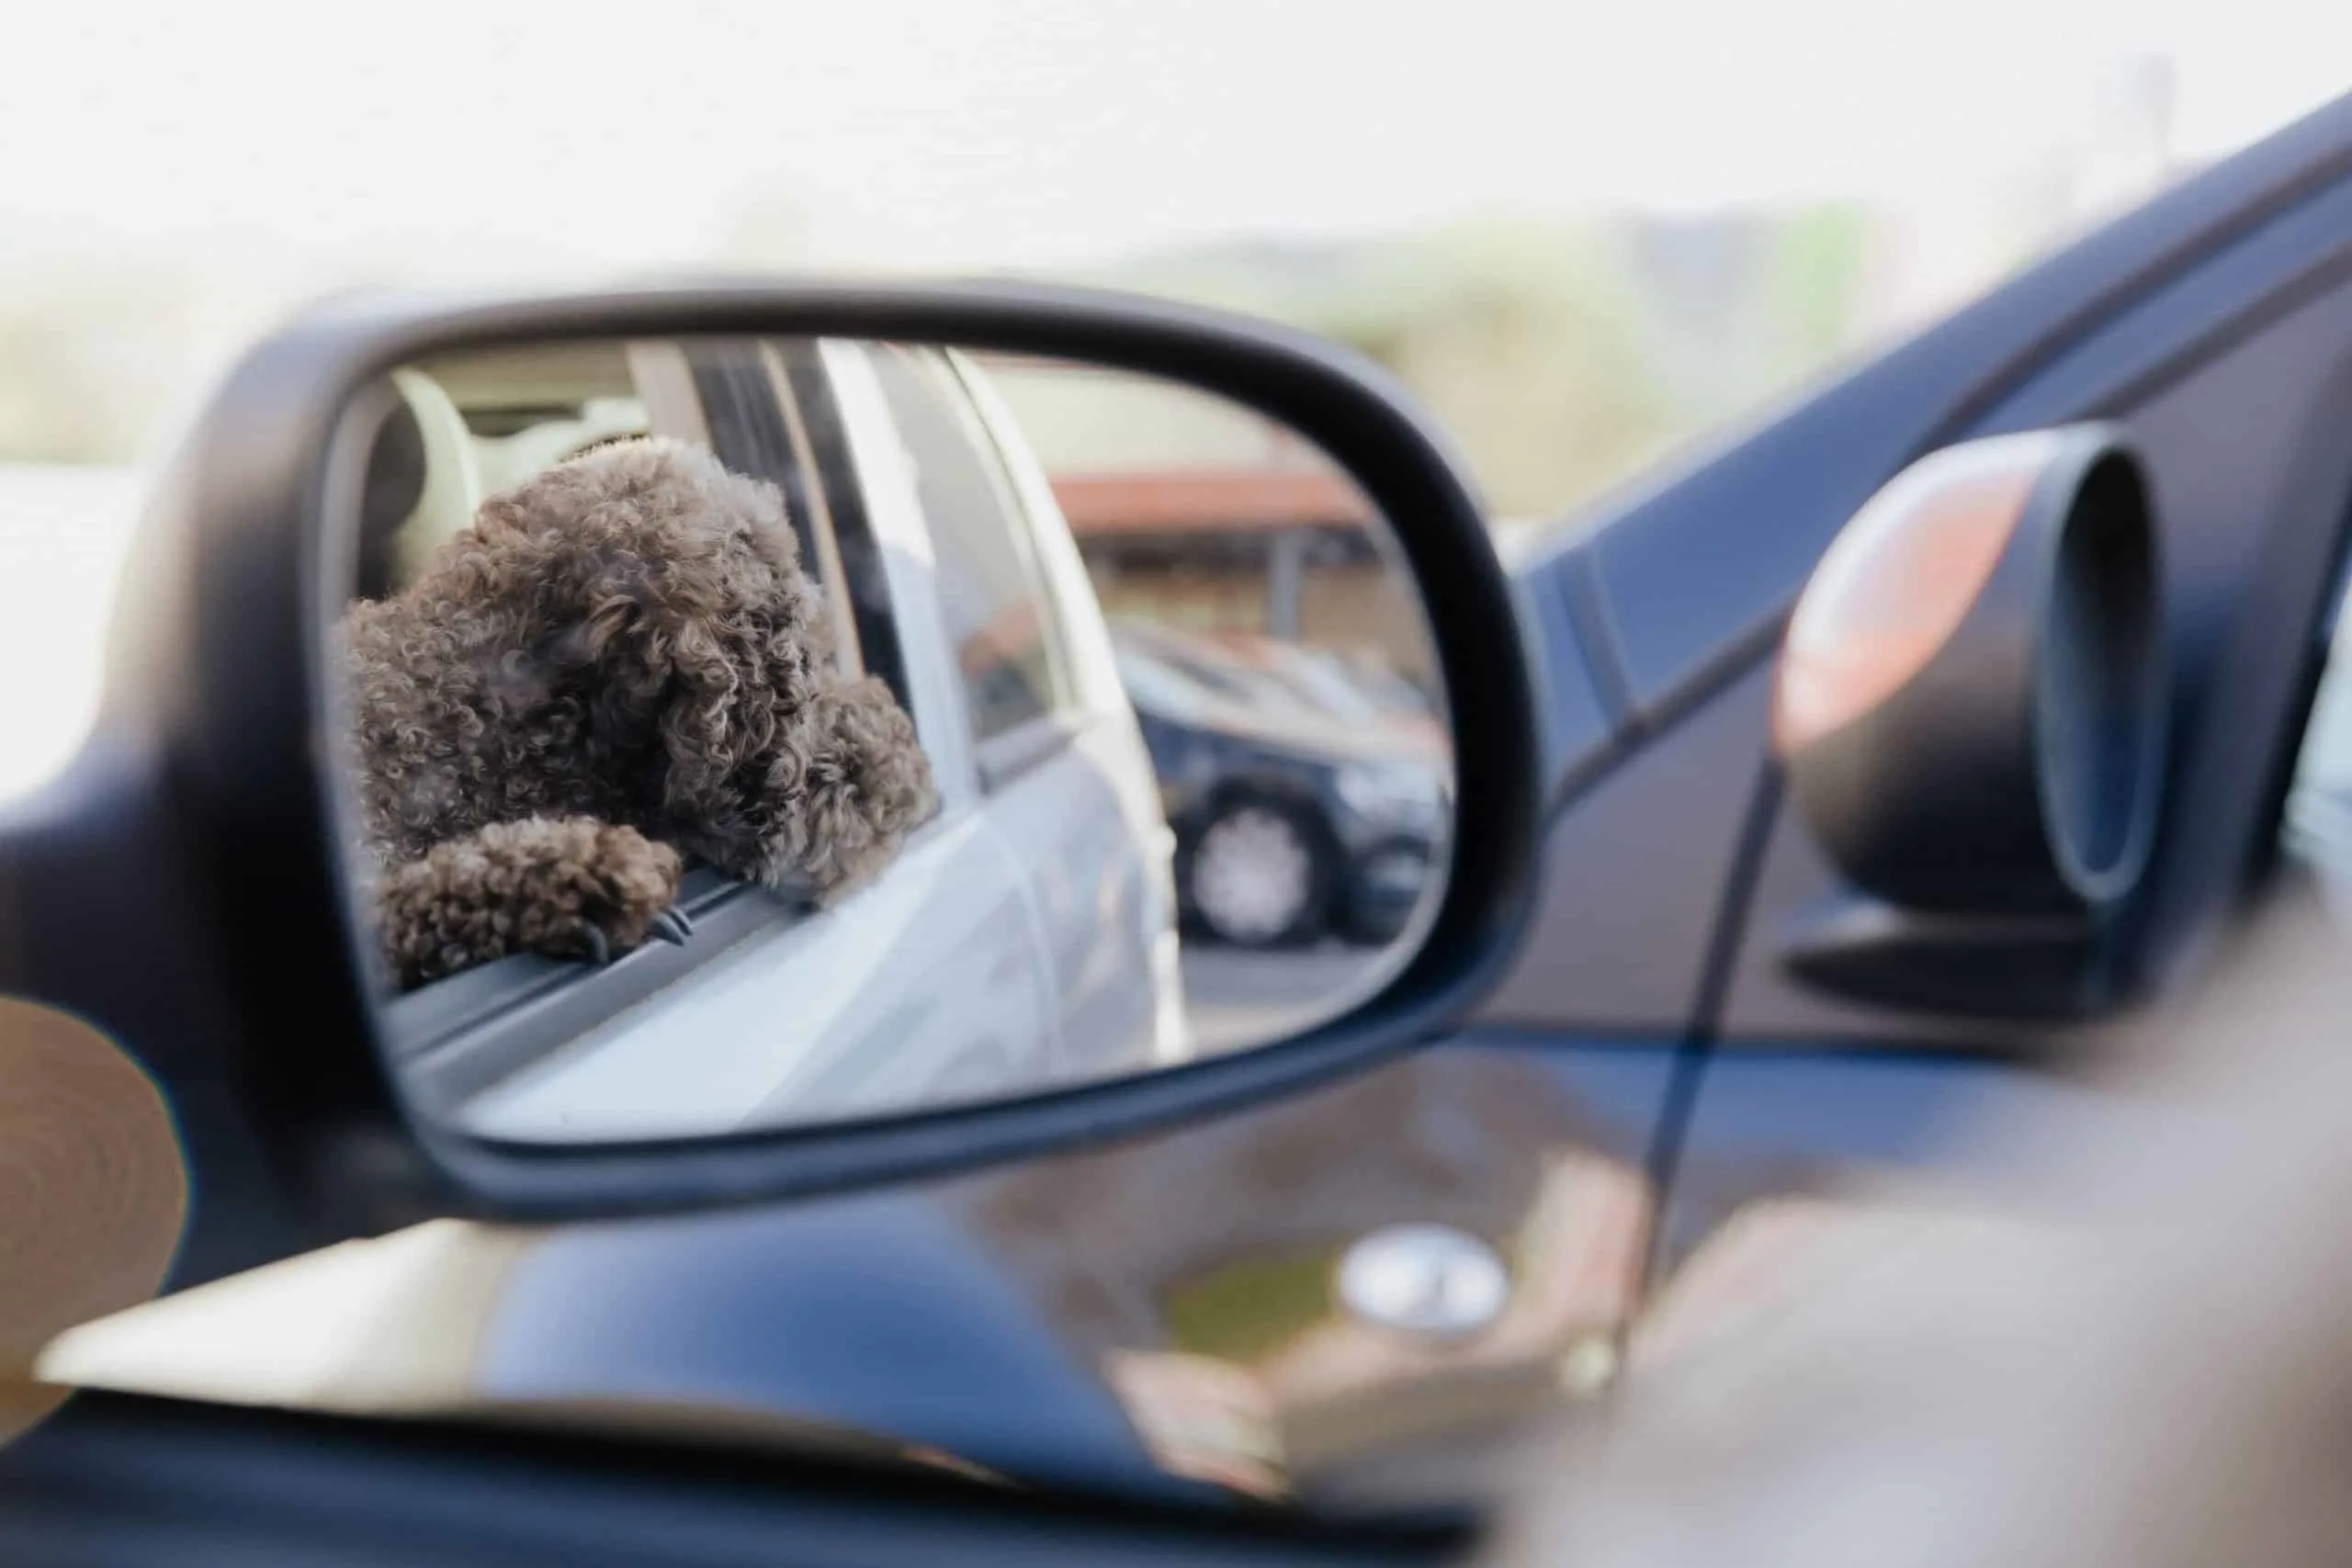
(1003, 758)
(812, 404)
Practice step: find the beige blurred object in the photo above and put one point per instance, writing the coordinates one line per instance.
(93, 1191)
(389, 1324)
(1122, 1250)
(1743, 1268)
(2147, 1362)
(1578, 1256)
(1203, 1419)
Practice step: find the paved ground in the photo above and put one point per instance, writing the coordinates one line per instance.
(1240, 999)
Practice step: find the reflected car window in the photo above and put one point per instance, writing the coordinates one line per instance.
(988, 585)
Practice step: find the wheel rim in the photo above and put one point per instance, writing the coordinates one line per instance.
(1252, 875)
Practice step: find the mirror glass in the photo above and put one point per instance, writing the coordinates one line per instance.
(742, 733)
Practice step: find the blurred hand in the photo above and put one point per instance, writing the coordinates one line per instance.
(2147, 1361)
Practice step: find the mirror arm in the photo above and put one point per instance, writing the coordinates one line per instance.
(2019, 968)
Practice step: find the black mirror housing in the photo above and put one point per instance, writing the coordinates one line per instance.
(214, 746)
(1970, 714)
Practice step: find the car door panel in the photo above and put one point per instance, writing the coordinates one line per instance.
(1634, 870)
(1104, 892)
(1156, 1316)
(128, 1483)
(1187, 1272)
(816, 1020)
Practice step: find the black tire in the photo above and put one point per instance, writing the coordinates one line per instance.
(1364, 918)
(1365, 931)
(1260, 874)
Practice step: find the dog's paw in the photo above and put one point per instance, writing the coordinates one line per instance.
(567, 888)
(866, 785)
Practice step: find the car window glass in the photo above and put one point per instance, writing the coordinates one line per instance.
(989, 586)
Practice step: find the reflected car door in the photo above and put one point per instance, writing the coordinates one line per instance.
(1086, 817)
(1063, 769)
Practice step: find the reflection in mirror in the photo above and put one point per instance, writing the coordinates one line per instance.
(748, 733)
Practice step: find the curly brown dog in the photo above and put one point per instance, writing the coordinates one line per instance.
(621, 659)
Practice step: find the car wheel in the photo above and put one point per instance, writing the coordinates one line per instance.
(1258, 875)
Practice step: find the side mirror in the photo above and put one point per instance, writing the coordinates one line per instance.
(572, 756)
(1970, 711)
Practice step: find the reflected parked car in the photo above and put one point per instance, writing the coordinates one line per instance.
(1292, 821)
(1350, 685)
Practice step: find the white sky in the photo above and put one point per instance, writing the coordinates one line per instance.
(488, 137)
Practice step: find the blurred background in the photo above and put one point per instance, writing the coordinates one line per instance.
(1585, 234)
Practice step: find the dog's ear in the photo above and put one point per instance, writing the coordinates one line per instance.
(604, 625)
(868, 784)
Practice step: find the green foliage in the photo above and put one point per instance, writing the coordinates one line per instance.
(1559, 358)
(88, 360)
(1249, 1309)
(1813, 286)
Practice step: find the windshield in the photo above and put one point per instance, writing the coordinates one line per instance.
(1581, 238)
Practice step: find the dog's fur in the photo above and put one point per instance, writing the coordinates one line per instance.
(621, 659)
